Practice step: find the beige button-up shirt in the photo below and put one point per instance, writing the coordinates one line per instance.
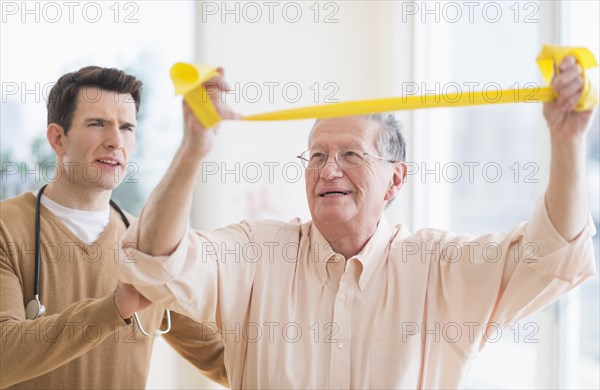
(409, 311)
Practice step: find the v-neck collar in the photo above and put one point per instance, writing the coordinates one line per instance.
(108, 231)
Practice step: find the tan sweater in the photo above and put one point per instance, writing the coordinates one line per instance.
(81, 342)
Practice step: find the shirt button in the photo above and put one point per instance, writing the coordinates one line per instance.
(340, 345)
(342, 297)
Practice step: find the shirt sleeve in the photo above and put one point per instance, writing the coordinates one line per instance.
(543, 266)
(200, 344)
(205, 278)
(491, 281)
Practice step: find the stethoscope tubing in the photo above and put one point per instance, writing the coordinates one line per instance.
(38, 264)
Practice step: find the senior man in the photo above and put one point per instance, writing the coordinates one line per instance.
(345, 300)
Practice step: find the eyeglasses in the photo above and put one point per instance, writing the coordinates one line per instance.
(315, 159)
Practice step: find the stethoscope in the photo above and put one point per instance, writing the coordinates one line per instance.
(35, 309)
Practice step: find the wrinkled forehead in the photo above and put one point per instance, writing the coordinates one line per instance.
(95, 100)
(347, 132)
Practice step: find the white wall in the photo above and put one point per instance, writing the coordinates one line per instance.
(354, 57)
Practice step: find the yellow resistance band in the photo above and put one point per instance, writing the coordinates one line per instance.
(188, 80)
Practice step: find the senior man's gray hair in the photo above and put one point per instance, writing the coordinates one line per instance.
(391, 144)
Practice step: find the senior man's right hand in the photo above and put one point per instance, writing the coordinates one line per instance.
(197, 141)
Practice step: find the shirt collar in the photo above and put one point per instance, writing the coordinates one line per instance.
(370, 256)
(320, 251)
(374, 252)
(402, 232)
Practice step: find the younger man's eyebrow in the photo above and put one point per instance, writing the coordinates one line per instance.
(96, 120)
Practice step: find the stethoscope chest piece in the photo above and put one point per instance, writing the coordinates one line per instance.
(34, 309)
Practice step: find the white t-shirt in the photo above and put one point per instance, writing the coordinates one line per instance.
(87, 225)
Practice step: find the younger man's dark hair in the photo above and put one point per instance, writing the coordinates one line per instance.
(62, 100)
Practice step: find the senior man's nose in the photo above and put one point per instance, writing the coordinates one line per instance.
(331, 170)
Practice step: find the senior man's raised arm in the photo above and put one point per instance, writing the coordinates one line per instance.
(164, 218)
(566, 196)
(167, 210)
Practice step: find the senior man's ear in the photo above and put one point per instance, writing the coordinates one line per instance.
(397, 180)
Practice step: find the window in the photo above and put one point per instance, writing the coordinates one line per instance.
(56, 38)
(579, 313)
(481, 169)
